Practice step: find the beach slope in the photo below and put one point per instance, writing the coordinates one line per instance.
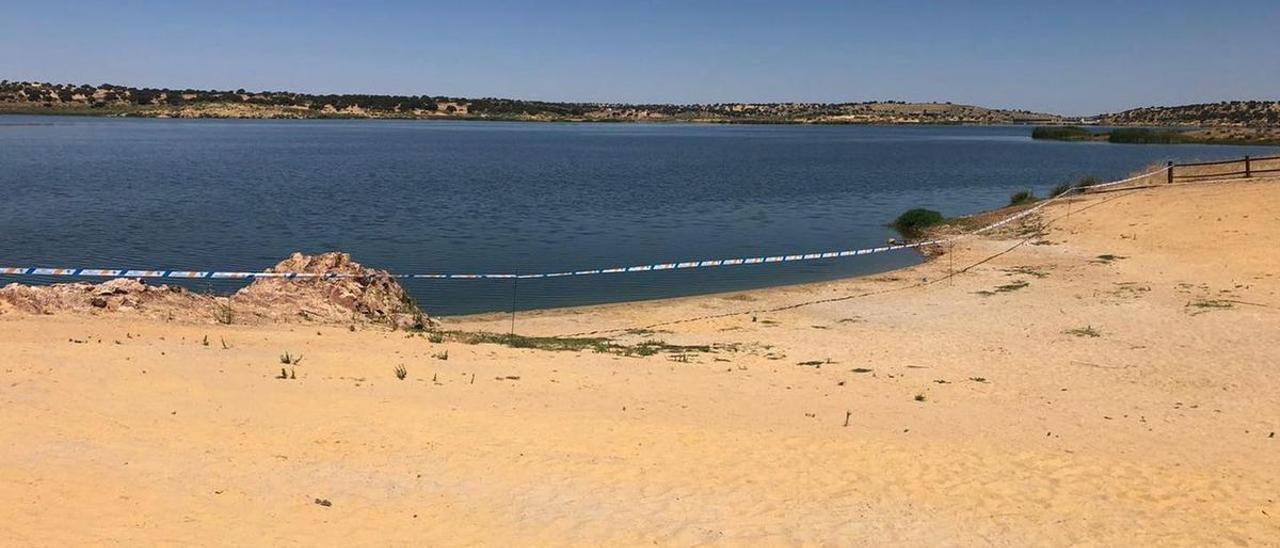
(1104, 374)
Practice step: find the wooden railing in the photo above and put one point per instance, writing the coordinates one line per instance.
(1223, 169)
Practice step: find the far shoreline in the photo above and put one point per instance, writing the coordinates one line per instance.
(1267, 140)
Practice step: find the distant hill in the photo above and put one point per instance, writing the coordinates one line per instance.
(113, 100)
(1238, 119)
(1224, 114)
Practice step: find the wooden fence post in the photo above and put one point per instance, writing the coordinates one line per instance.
(1169, 175)
(1247, 170)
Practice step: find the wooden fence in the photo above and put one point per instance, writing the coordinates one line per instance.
(1224, 169)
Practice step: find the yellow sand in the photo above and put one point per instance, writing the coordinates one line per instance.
(1155, 432)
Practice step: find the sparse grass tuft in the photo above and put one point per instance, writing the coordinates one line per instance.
(1027, 270)
(648, 347)
(1022, 198)
(288, 359)
(1006, 288)
(920, 397)
(1086, 331)
(572, 344)
(1202, 305)
(401, 372)
(1107, 258)
(1064, 188)
(222, 313)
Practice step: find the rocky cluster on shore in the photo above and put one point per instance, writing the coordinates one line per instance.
(357, 295)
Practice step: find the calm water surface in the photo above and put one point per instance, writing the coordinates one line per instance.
(510, 197)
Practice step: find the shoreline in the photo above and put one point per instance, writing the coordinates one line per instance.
(1200, 135)
(926, 254)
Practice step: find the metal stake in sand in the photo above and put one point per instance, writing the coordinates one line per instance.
(515, 284)
(951, 263)
(1067, 198)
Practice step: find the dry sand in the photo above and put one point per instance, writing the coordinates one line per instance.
(976, 416)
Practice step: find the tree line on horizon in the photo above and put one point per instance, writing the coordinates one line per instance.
(111, 95)
(1227, 113)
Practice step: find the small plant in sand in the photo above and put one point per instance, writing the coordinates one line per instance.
(1026, 270)
(401, 372)
(1006, 288)
(1108, 257)
(435, 337)
(287, 373)
(222, 313)
(1066, 188)
(648, 347)
(288, 359)
(1086, 331)
(441, 355)
(920, 397)
(1202, 305)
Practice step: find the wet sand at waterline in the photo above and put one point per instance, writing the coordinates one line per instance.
(1111, 380)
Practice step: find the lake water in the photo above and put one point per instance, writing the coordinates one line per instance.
(415, 197)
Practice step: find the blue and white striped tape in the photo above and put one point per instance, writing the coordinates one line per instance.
(711, 263)
(188, 274)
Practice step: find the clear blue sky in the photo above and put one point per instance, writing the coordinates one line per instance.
(1074, 57)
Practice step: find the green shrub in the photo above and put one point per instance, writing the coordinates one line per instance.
(1146, 136)
(1022, 198)
(1088, 180)
(1063, 133)
(1060, 190)
(916, 220)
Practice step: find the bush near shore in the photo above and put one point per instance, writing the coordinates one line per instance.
(1118, 135)
(1146, 136)
(914, 221)
(1064, 133)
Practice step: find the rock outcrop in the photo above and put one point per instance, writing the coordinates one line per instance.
(120, 294)
(356, 295)
(357, 292)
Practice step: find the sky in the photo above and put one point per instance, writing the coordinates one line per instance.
(1078, 57)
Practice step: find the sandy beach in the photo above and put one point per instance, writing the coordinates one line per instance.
(1103, 374)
